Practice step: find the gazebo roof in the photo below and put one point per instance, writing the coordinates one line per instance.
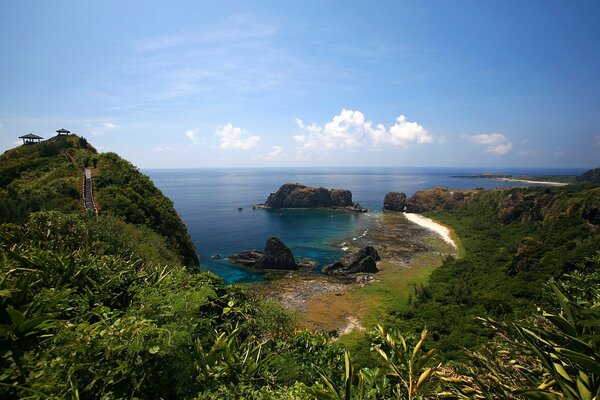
(30, 136)
(63, 130)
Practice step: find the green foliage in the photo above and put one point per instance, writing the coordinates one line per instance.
(553, 356)
(405, 372)
(507, 262)
(123, 191)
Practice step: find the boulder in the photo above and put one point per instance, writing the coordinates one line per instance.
(362, 261)
(394, 201)
(296, 195)
(276, 255)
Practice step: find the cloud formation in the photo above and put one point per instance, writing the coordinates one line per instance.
(496, 143)
(192, 134)
(232, 137)
(350, 129)
(102, 128)
(275, 153)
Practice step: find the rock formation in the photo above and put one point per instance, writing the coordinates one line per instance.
(394, 201)
(276, 255)
(296, 195)
(363, 260)
(440, 199)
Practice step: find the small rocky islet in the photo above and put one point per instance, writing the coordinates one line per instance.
(297, 195)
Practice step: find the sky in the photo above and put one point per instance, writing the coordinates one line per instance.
(314, 83)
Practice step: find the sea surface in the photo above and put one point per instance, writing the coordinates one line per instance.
(208, 201)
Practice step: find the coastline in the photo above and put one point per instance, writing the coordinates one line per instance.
(432, 225)
(548, 183)
(410, 251)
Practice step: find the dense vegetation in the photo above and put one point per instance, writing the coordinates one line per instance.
(514, 241)
(47, 176)
(105, 307)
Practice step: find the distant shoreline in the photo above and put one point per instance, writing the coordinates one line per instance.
(549, 183)
(554, 180)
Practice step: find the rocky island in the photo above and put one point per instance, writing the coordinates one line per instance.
(296, 195)
(276, 255)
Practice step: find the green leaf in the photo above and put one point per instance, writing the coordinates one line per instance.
(153, 350)
(16, 316)
(33, 323)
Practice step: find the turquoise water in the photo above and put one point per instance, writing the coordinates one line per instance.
(208, 202)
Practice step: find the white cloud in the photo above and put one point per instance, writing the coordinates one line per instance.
(102, 128)
(275, 153)
(192, 134)
(299, 138)
(162, 148)
(350, 129)
(495, 143)
(404, 132)
(297, 120)
(232, 137)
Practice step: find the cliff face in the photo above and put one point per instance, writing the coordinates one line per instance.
(440, 199)
(296, 195)
(533, 204)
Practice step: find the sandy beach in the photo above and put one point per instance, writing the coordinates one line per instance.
(431, 225)
(532, 182)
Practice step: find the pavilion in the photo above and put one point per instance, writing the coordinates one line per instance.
(63, 131)
(30, 138)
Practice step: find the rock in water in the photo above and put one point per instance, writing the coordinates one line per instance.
(363, 260)
(296, 195)
(394, 201)
(276, 255)
(247, 258)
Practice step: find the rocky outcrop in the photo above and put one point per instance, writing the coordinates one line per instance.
(296, 195)
(440, 199)
(593, 176)
(394, 201)
(276, 255)
(363, 261)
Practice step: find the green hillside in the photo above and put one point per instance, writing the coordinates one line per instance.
(48, 176)
(514, 241)
(107, 306)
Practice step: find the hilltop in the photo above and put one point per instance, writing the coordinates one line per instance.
(48, 176)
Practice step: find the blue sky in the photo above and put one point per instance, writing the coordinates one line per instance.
(312, 83)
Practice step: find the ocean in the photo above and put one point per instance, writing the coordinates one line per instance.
(208, 201)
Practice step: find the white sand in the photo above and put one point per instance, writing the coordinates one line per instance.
(533, 182)
(431, 225)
